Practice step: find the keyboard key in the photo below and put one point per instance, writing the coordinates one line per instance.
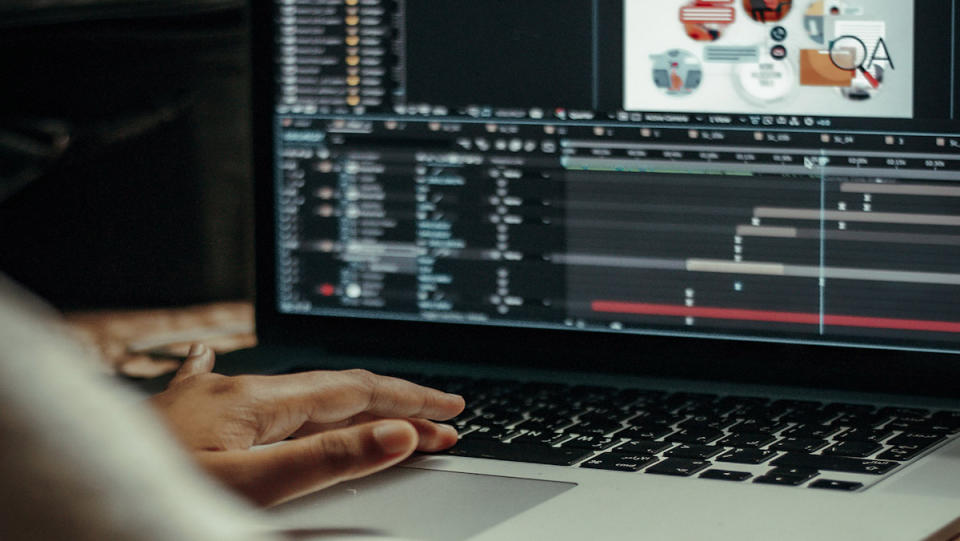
(644, 447)
(594, 427)
(948, 419)
(536, 454)
(905, 412)
(784, 480)
(747, 440)
(864, 434)
(802, 473)
(812, 431)
(726, 475)
(487, 433)
(504, 410)
(654, 420)
(678, 401)
(910, 444)
(536, 437)
(605, 415)
(858, 449)
(696, 435)
(817, 417)
(843, 409)
(917, 440)
(498, 418)
(593, 442)
(762, 413)
(643, 433)
(742, 402)
(830, 484)
(799, 445)
(757, 426)
(544, 425)
(747, 456)
(678, 466)
(912, 425)
(691, 450)
(555, 412)
(708, 421)
(861, 420)
(701, 411)
(927, 426)
(836, 463)
(619, 462)
(900, 453)
(639, 397)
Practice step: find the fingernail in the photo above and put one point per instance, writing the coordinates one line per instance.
(455, 396)
(196, 350)
(450, 430)
(393, 437)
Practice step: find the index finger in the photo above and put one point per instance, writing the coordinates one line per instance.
(325, 397)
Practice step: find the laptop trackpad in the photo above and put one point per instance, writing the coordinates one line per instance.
(415, 504)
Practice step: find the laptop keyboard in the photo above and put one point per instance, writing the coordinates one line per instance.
(834, 446)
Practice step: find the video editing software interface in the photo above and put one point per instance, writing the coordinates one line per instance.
(768, 170)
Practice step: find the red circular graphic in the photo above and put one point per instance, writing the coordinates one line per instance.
(767, 11)
(706, 20)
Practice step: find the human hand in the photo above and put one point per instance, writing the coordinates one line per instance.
(346, 424)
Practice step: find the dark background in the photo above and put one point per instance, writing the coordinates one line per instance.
(549, 42)
(125, 139)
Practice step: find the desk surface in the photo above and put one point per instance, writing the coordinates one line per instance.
(950, 532)
(152, 342)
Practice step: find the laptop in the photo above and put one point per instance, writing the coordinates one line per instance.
(693, 264)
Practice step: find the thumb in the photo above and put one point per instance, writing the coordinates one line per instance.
(274, 474)
(200, 360)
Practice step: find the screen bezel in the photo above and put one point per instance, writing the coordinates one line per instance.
(851, 368)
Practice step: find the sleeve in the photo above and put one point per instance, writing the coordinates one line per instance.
(82, 458)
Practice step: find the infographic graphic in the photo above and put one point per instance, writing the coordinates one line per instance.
(768, 11)
(784, 57)
(677, 72)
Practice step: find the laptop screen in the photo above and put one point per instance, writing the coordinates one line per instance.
(747, 169)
